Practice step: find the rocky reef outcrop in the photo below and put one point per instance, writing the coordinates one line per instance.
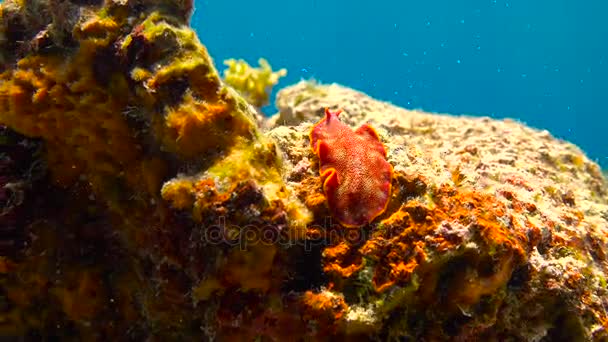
(494, 230)
(141, 199)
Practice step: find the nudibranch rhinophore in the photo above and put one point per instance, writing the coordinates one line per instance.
(355, 173)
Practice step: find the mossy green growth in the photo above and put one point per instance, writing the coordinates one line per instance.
(248, 160)
(252, 161)
(398, 296)
(255, 84)
(173, 53)
(313, 90)
(158, 26)
(259, 161)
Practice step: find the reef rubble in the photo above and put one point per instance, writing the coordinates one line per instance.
(142, 199)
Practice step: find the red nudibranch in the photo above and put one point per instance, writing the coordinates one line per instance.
(355, 173)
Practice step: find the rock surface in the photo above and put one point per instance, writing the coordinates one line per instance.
(142, 202)
(524, 257)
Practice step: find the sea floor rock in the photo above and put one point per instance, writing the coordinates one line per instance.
(494, 229)
(143, 202)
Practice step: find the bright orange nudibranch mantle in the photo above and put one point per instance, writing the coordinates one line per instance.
(356, 176)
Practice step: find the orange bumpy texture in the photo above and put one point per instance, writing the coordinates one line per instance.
(356, 176)
(147, 152)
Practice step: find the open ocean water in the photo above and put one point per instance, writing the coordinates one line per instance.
(542, 62)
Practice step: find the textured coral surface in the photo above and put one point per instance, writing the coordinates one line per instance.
(494, 230)
(140, 201)
(155, 183)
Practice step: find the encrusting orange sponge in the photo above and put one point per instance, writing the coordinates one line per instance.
(356, 176)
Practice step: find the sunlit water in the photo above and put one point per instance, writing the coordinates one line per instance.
(542, 62)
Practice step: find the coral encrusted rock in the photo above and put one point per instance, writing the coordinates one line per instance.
(158, 199)
(141, 201)
(494, 231)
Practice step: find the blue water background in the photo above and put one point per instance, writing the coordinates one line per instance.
(543, 62)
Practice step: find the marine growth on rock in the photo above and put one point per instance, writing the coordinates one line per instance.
(142, 201)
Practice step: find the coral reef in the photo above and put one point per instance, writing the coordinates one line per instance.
(255, 84)
(140, 200)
